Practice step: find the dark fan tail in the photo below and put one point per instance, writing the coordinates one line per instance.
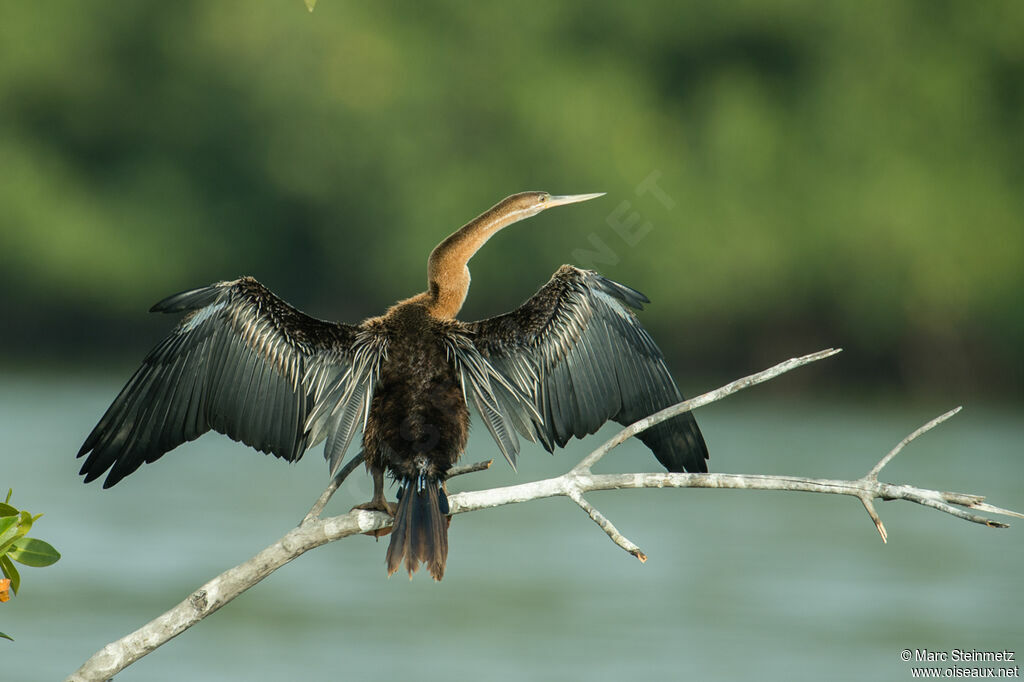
(420, 533)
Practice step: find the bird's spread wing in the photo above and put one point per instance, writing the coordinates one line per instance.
(501, 402)
(244, 363)
(580, 356)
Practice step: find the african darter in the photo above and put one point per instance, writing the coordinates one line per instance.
(245, 363)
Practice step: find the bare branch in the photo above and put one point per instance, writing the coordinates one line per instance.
(314, 531)
(870, 506)
(468, 469)
(860, 488)
(333, 486)
(606, 525)
(693, 403)
(350, 466)
(990, 509)
(873, 474)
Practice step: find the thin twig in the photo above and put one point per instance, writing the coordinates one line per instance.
(873, 474)
(607, 526)
(333, 486)
(870, 506)
(990, 509)
(938, 500)
(468, 469)
(746, 382)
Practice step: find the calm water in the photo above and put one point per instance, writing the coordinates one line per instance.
(739, 584)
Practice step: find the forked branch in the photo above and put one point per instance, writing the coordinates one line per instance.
(314, 531)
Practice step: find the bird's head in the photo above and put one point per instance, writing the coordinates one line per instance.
(526, 204)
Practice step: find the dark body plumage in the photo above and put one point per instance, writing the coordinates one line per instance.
(245, 363)
(417, 428)
(417, 408)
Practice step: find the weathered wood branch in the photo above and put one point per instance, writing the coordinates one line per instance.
(314, 531)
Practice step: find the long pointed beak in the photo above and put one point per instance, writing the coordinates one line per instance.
(570, 199)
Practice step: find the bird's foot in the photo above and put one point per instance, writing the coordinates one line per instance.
(378, 504)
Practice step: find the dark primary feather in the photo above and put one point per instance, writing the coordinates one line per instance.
(580, 355)
(242, 362)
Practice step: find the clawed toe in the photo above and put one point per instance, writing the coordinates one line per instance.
(379, 505)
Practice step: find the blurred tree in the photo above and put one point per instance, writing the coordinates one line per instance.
(838, 174)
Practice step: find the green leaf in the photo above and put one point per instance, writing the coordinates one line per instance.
(8, 531)
(7, 510)
(10, 491)
(33, 552)
(10, 572)
(310, 4)
(12, 528)
(6, 636)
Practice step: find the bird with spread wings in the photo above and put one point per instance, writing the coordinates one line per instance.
(246, 364)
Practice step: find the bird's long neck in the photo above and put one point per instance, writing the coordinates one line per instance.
(447, 269)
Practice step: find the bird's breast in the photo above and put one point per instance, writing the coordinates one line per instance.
(418, 404)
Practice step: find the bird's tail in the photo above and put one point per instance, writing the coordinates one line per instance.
(420, 532)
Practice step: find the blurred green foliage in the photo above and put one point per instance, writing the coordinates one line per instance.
(828, 173)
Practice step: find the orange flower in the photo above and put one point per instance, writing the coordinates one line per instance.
(5, 586)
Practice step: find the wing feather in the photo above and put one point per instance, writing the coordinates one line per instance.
(588, 361)
(242, 362)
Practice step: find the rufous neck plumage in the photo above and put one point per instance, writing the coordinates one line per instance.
(447, 268)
